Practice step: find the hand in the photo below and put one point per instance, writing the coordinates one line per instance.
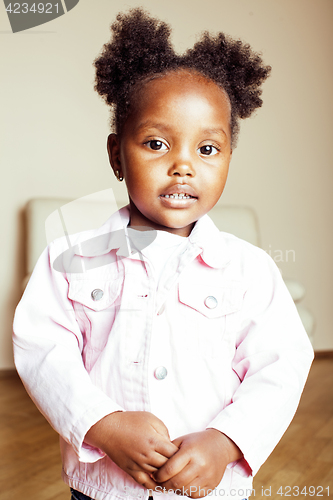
(199, 464)
(137, 441)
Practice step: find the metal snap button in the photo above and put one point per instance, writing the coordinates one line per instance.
(160, 372)
(97, 294)
(210, 302)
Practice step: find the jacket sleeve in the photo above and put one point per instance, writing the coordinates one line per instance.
(272, 359)
(47, 352)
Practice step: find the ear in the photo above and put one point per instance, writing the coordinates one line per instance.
(113, 146)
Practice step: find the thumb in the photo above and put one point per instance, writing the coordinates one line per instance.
(178, 441)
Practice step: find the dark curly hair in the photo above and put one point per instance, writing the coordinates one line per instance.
(140, 50)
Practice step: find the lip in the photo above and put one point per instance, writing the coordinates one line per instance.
(177, 203)
(178, 189)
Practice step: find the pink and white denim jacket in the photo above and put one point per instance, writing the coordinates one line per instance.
(219, 344)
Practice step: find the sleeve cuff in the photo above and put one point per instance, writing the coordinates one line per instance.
(241, 467)
(85, 452)
(244, 466)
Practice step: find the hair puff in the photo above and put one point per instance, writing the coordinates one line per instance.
(140, 48)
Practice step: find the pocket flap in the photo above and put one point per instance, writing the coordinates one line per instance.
(95, 294)
(210, 300)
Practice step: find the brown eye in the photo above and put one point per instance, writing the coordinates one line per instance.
(156, 145)
(208, 150)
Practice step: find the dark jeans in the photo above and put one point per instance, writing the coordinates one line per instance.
(76, 495)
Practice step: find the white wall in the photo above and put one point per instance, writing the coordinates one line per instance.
(54, 129)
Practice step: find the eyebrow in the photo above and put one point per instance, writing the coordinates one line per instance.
(150, 124)
(163, 126)
(216, 131)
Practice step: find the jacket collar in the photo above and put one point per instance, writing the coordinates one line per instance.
(115, 235)
(214, 250)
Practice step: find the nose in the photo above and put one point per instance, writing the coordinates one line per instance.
(182, 165)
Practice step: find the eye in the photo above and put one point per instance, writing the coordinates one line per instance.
(156, 145)
(208, 150)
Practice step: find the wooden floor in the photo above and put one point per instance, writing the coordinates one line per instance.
(30, 462)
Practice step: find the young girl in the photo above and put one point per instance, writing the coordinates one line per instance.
(174, 370)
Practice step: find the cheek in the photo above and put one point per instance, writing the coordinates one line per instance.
(223, 181)
(218, 186)
(139, 183)
(217, 176)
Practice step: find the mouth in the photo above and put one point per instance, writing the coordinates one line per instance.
(178, 196)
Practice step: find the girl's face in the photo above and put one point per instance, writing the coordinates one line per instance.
(174, 151)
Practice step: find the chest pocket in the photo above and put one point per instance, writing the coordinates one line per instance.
(95, 303)
(214, 315)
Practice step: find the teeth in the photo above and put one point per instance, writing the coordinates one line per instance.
(177, 196)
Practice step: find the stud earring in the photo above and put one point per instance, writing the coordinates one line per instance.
(118, 176)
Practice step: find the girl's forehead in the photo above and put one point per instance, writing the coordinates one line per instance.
(179, 86)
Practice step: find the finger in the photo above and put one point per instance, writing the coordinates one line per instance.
(172, 467)
(178, 441)
(192, 490)
(156, 461)
(143, 478)
(149, 468)
(195, 490)
(187, 477)
(166, 448)
(149, 484)
(160, 427)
